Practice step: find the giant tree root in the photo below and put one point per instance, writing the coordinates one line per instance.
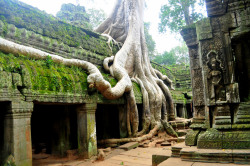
(168, 128)
(152, 133)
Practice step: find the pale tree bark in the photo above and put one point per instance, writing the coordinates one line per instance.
(131, 63)
(125, 25)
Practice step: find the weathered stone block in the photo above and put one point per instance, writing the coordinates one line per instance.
(129, 146)
(157, 159)
(5, 79)
(204, 29)
(191, 137)
(17, 79)
(211, 139)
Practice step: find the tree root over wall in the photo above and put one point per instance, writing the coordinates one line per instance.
(131, 63)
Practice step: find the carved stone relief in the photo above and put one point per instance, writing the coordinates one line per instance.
(216, 90)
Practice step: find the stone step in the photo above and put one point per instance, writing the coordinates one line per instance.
(215, 155)
(177, 148)
(180, 123)
(129, 146)
(181, 132)
(181, 139)
(178, 162)
(160, 156)
(166, 143)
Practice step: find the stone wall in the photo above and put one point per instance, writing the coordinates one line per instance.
(217, 45)
(26, 83)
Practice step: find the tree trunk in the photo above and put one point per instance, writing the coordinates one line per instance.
(185, 6)
(126, 25)
(130, 63)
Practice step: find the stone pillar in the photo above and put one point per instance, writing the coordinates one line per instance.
(190, 37)
(184, 110)
(17, 133)
(87, 144)
(123, 121)
(175, 110)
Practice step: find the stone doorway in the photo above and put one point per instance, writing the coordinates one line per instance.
(180, 110)
(107, 121)
(242, 73)
(3, 129)
(189, 110)
(54, 129)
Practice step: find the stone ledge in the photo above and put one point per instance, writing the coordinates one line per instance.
(215, 155)
(129, 146)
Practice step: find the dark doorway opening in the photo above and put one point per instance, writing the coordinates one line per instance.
(54, 129)
(242, 70)
(107, 121)
(3, 111)
(189, 111)
(179, 110)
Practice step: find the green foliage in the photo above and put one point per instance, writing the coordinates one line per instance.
(167, 58)
(177, 55)
(56, 78)
(149, 40)
(179, 13)
(96, 17)
(32, 19)
(48, 62)
(75, 15)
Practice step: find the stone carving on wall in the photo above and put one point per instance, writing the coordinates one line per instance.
(216, 89)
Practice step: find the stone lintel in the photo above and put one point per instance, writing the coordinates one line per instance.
(20, 107)
(88, 108)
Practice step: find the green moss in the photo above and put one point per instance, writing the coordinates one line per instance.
(110, 79)
(36, 21)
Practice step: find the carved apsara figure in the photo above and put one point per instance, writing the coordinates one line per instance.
(215, 77)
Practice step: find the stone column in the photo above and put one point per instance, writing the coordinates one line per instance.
(123, 121)
(17, 133)
(87, 144)
(190, 37)
(184, 110)
(175, 110)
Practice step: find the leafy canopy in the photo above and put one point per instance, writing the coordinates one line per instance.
(149, 40)
(177, 55)
(179, 13)
(96, 17)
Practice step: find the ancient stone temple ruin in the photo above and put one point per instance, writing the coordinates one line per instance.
(219, 58)
(49, 106)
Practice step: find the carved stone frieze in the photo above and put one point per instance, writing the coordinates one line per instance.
(198, 86)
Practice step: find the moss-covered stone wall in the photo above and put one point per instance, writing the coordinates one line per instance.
(182, 83)
(27, 17)
(46, 81)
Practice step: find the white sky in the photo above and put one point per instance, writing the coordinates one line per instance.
(163, 41)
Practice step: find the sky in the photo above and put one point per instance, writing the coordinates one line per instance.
(164, 42)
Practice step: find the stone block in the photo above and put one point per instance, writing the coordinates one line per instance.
(181, 133)
(176, 149)
(166, 143)
(5, 79)
(157, 159)
(206, 155)
(181, 139)
(211, 139)
(17, 79)
(204, 29)
(129, 146)
(191, 137)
